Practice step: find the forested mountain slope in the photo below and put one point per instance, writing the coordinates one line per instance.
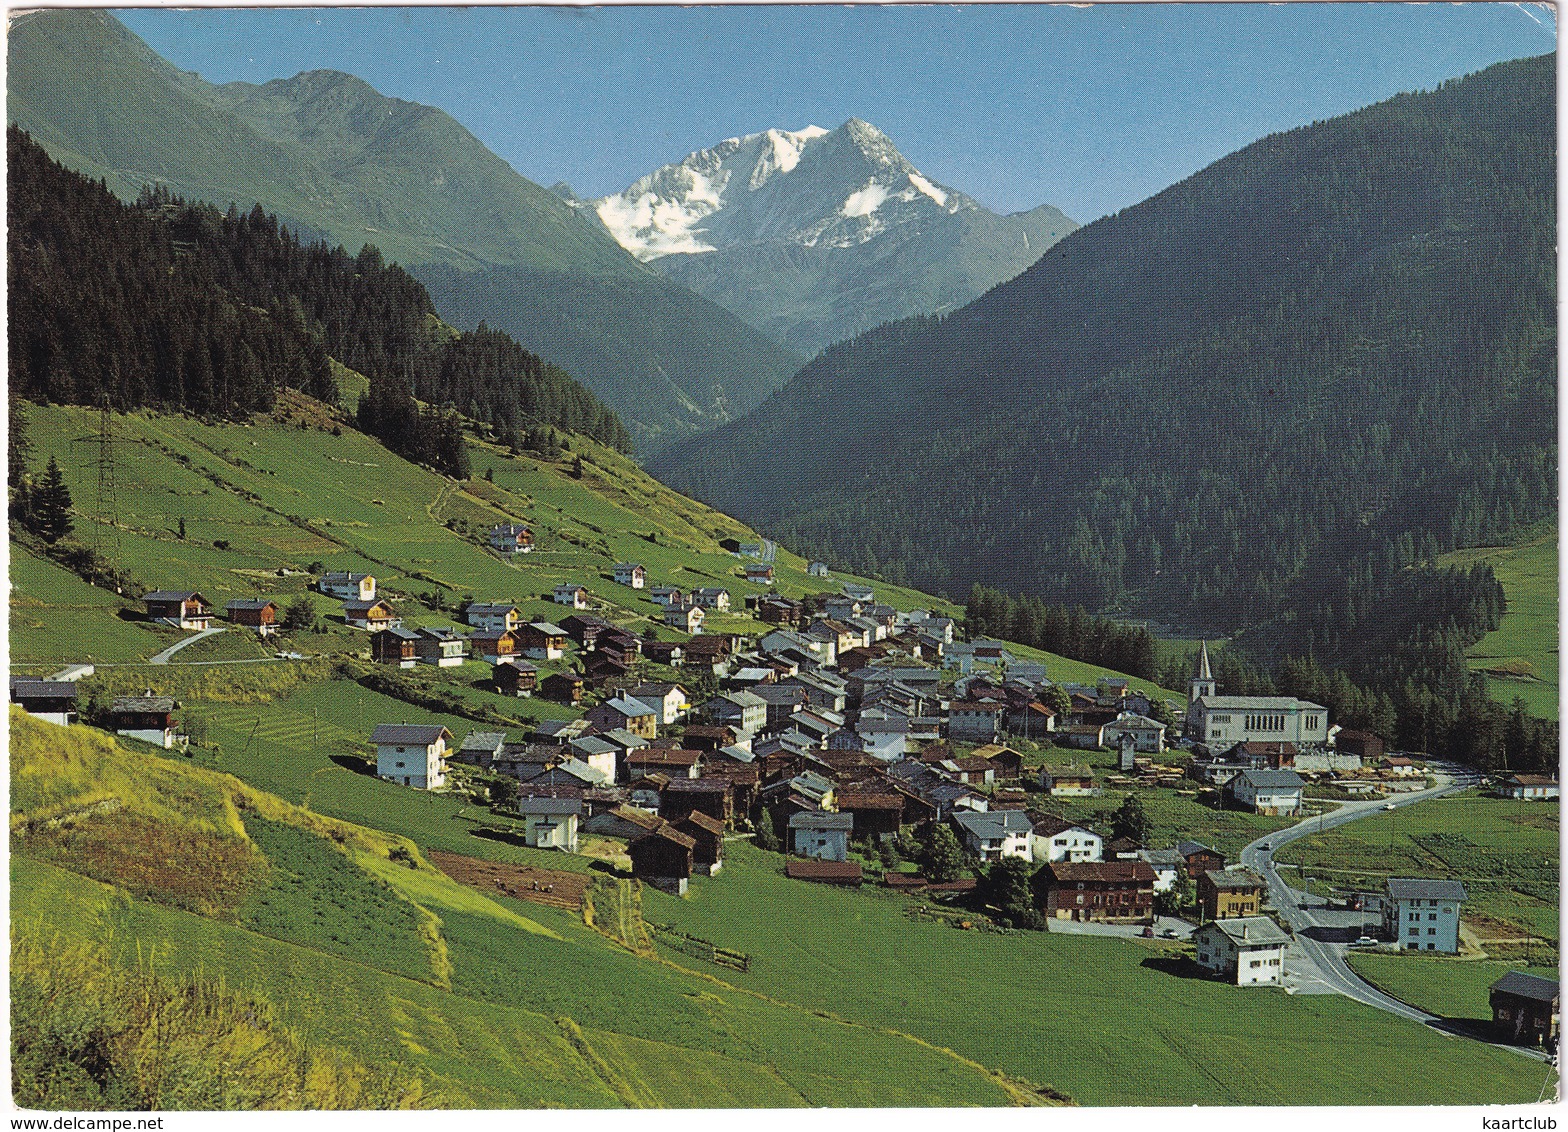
(1253, 396)
(337, 160)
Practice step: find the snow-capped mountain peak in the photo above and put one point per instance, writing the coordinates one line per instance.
(811, 187)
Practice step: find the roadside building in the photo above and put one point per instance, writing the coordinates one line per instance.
(1248, 952)
(1423, 915)
(1529, 787)
(1111, 891)
(1228, 894)
(255, 613)
(179, 609)
(1526, 1009)
(1273, 792)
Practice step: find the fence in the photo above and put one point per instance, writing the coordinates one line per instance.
(699, 948)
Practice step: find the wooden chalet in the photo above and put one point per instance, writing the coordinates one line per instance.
(371, 615)
(513, 677)
(1085, 891)
(562, 687)
(663, 858)
(707, 834)
(395, 646)
(255, 613)
(708, 736)
(51, 700)
(676, 763)
(1198, 858)
(877, 813)
(493, 646)
(179, 609)
(708, 794)
(1363, 744)
(148, 717)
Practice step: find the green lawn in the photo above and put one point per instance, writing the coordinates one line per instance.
(1446, 987)
(1520, 656)
(1155, 1038)
(1505, 853)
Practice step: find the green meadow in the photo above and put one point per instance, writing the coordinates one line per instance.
(1440, 985)
(1504, 852)
(1520, 657)
(1158, 1036)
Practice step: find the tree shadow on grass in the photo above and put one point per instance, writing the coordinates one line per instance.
(355, 764)
(1181, 966)
(505, 837)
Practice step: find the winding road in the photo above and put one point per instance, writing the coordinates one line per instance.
(1315, 961)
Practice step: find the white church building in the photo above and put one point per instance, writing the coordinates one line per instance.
(1220, 722)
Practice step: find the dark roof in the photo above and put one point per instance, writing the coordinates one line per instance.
(1188, 848)
(1419, 888)
(1259, 931)
(408, 734)
(813, 869)
(1273, 779)
(142, 703)
(668, 832)
(535, 803)
(1049, 825)
(821, 820)
(1065, 871)
(703, 821)
(704, 785)
(1235, 877)
(1527, 986)
(24, 688)
(171, 595)
(254, 604)
(357, 606)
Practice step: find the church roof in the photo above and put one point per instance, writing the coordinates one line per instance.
(1204, 672)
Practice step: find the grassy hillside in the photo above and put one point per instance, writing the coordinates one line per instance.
(853, 953)
(1520, 657)
(281, 494)
(337, 160)
(355, 944)
(1440, 985)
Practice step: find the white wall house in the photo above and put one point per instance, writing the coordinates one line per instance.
(995, 834)
(1248, 951)
(411, 754)
(632, 574)
(1054, 839)
(347, 586)
(550, 823)
(569, 593)
(1275, 792)
(495, 617)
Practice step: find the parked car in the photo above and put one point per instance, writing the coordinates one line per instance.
(1266, 846)
(1365, 941)
(1388, 805)
(1169, 933)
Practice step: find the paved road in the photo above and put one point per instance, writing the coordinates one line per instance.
(163, 657)
(1315, 961)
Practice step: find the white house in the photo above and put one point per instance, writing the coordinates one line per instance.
(346, 586)
(746, 712)
(1148, 735)
(669, 700)
(1248, 951)
(413, 754)
(687, 618)
(550, 822)
(632, 574)
(569, 593)
(512, 538)
(995, 834)
(1529, 787)
(1421, 914)
(1167, 865)
(495, 617)
(712, 597)
(1056, 839)
(974, 722)
(1273, 792)
(886, 739)
(825, 836)
(818, 569)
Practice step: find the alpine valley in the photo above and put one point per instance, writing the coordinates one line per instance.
(464, 654)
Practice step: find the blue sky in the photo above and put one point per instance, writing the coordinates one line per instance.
(1089, 109)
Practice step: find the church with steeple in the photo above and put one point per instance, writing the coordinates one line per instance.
(1219, 722)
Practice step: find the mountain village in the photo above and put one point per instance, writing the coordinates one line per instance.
(860, 739)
